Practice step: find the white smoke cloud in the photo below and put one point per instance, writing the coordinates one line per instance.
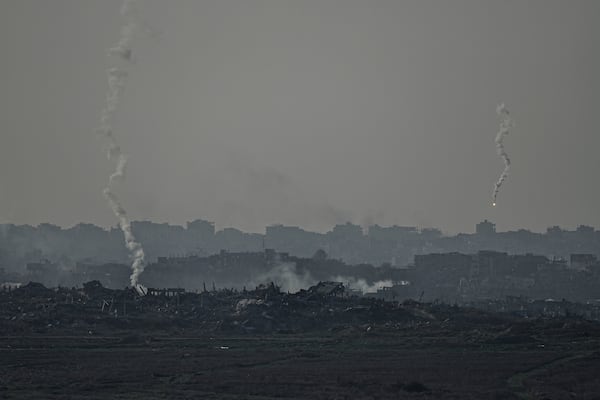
(361, 284)
(287, 278)
(505, 125)
(117, 80)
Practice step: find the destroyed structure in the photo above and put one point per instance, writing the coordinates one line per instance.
(392, 263)
(328, 306)
(448, 277)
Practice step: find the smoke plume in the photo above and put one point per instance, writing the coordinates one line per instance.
(117, 79)
(287, 277)
(362, 284)
(505, 126)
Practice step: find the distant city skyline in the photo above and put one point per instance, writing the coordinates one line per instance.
(219, 228)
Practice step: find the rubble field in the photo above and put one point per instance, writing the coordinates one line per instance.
(96, 343)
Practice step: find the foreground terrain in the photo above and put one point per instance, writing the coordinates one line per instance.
(265, 344)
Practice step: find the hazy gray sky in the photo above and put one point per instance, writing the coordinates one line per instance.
(307, 112)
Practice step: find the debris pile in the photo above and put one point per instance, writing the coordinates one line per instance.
(325, 307)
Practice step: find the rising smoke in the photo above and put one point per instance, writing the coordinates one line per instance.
(117, 79)
(290, 279)
(362, 284)
(505, 126)
(286, 276)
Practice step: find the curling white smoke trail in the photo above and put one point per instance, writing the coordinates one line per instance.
(123, 47)
(505, 126)
(117, 79)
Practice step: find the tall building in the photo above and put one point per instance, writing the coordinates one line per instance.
(485, 228)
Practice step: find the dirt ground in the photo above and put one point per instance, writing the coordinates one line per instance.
(342, 365)
(95, 343)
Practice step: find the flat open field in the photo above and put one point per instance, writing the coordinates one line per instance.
(343, 365)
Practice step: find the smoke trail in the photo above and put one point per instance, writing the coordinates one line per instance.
(362, 284)
(134, 247)
(123, 47)
(117, 79)
(505, 126)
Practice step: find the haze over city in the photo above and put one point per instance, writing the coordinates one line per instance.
(302, 199)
